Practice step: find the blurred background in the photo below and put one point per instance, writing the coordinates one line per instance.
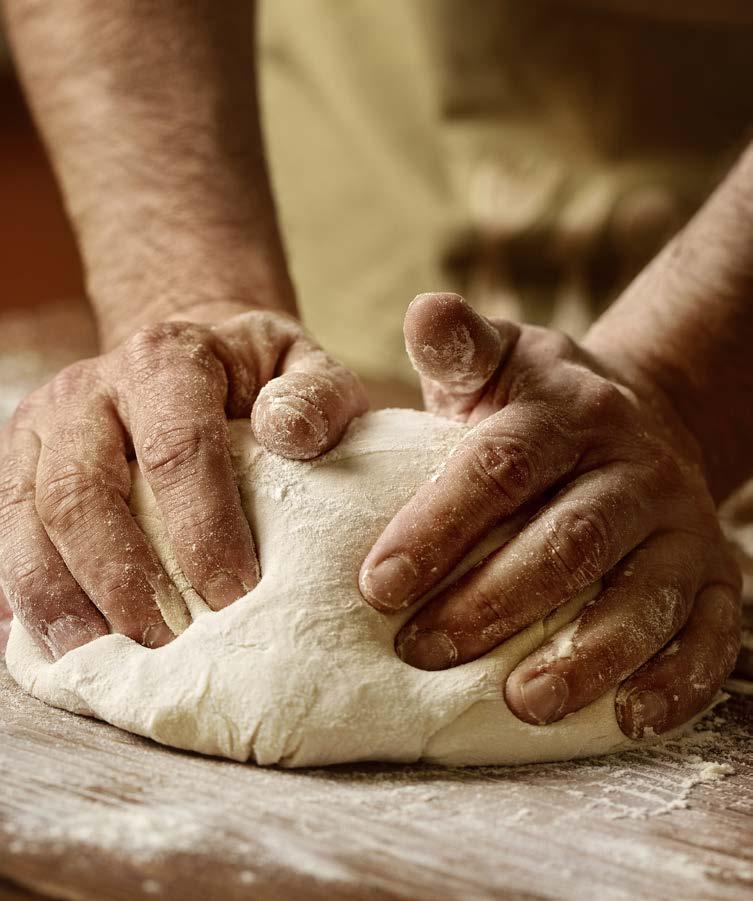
(532, 156)
(44, 320)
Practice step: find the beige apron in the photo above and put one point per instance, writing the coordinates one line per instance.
(532, 155)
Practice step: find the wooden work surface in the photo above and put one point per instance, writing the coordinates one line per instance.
(89, 812)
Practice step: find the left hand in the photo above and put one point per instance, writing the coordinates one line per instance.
(613, 487)
(74, 563)
(6, 615)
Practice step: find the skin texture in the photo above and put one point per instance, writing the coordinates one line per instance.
(154, 134)
(606, 489)
(150, 116)
(612, 455)
(6, 615)
(74, 563)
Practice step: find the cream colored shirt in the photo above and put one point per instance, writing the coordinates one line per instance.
(532, 155)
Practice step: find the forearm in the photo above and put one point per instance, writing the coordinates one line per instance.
(685, 326)
(150, 115)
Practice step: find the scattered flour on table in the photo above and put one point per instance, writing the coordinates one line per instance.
(191, 812)
(188, 812)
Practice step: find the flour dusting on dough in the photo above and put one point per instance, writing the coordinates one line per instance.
(301, 671)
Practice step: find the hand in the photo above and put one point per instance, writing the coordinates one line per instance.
(613, 489)
(73, 563)
(6, 615)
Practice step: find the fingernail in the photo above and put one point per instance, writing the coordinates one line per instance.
(544, 697)
(646, 709)
(157, 636)
(222, 590)
(390, 583)
(68, 633)
(295, 427)
(427, 649)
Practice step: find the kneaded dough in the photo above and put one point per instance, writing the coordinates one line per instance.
(302, 671)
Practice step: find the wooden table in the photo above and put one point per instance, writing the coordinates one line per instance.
(89, 812)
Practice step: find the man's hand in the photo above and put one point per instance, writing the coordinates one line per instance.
(74, 565)
(6, 615)
(613, 489)
(151, 117)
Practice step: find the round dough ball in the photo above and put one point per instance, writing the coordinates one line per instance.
(302, 671)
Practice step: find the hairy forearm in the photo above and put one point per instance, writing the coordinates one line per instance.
(685, 326)
(150, 115)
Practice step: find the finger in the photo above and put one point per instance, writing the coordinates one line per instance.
(683, 680)
(6, 616)
(83, 483)
(455, 350)
(569, 545)
(510, 458)
(174, 407)
(43, 594)
(306, 399)
(304, 412)
(645, 600)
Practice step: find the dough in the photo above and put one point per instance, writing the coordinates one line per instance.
(301, 671)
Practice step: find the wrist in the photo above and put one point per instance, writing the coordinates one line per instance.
(180, 235)
(192, 280)
(656, 384)
(655, 357)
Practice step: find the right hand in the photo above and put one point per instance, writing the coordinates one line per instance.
(611, 486)
(74, 564)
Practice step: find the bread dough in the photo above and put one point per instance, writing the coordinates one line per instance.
(302, 671)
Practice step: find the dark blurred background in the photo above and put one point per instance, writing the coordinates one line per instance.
(38, 258)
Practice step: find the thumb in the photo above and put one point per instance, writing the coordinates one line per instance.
(455, 350)
(305, 411)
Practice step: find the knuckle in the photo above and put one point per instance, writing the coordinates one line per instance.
(665, 471)
(15, 490)
(76, 384)
(554, 345)
(178, 447)
(601, 400)
(24, 412)
(72, 378)
(670, 610)
(150, 338)
(65, 496)
(116, 597)
(147, 349)
(493, 611)
(577, 545)
(504, 466)
(73, 383)
(26, 578)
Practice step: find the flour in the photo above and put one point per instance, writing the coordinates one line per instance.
(154, 809)
(302, 671)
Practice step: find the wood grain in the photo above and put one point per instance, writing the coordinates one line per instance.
(89, 812)
(10, 892)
